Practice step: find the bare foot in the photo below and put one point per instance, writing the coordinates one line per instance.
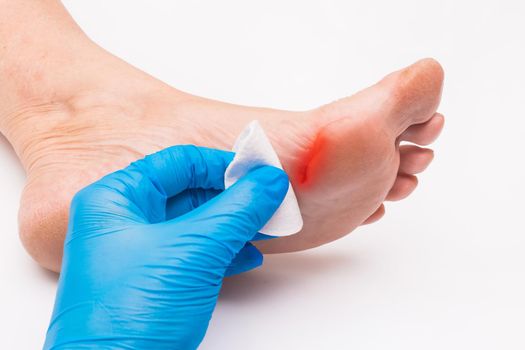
(343, 158)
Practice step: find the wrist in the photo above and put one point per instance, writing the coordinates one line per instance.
(83, 323)
(90, 325)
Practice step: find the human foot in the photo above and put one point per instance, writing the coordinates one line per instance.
(356, 162)
(77, 113)
(343, 159)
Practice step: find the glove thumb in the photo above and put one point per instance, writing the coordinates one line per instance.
(234, 217)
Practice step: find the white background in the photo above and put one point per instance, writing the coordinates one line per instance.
(444, 269)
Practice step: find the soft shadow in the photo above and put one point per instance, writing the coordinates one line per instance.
(49, 276)
(279, 271)
(32, 267)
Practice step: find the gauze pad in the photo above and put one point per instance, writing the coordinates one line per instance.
(253, 149)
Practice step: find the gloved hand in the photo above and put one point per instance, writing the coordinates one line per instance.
(148, 246)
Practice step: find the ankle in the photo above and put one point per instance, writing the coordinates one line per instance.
(41, 52)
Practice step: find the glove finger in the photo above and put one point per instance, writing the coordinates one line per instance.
(139, 192)
(247, 259)
(188, 200)
(178, 168)
(225, 223)
(262, 237)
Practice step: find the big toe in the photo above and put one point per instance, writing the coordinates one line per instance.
(403, 98)
(413, 94)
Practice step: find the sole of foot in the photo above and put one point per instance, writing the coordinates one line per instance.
(344, 159)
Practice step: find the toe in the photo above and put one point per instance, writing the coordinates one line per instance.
(403, 186)
(401, 99)
(415, 93)
(426, 133)
(378, 214)
(414, 159)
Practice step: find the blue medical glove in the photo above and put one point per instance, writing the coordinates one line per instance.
(148, 246)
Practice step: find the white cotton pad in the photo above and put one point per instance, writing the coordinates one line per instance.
(253, 149)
